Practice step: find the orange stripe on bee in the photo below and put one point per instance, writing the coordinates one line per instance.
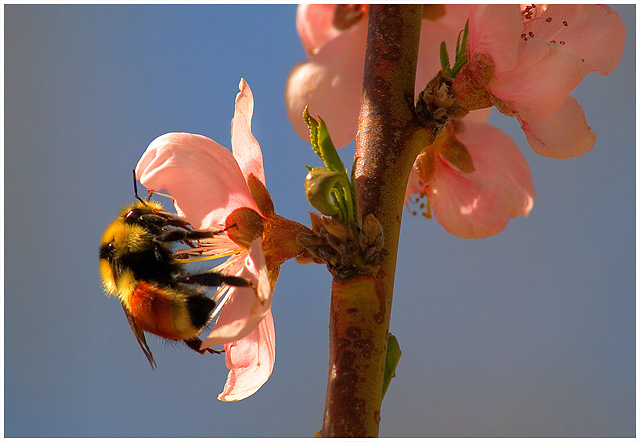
(159, 311)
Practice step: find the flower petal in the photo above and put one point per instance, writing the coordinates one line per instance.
(545, 75)
(315, 26)
(330, 82)
(562, 135)
(479, 204)
(202, 176)
(250, 361)
(595, 32)
(477, 116)
(495, 30)
(245, 147)
(245, 309)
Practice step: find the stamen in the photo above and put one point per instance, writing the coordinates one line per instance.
(528, 12)
(422, 202)
(530, 15)
(166, 195)
(224, 294)
(188, 260)
(427, 213)
(201, 251)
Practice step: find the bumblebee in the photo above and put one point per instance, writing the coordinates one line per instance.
(138, 265)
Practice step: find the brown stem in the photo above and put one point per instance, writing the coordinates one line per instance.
(387, 144)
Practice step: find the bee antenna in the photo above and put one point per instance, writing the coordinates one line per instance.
(135, 188)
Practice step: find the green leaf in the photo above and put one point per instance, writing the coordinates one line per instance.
(391, 362)
(312, 124)
(321, 143)
(465, 37)
(461, 51)
(444, 60)
(329, 154)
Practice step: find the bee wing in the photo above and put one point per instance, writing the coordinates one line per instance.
(139, 334)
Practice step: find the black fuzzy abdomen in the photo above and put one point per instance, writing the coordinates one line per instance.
(200, 308)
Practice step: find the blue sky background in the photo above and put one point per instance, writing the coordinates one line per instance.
(528, 333)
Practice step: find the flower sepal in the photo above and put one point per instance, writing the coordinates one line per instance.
(470, 86)
(261, 195)
(456, 153)
(279, 240)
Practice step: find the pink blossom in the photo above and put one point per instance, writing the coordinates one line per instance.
(479, 203)
(330, 80)
(208, 183)
(538, 56)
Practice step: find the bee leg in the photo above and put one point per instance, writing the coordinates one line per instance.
(216, 279)
(173, 233)
(158, 250)
(195, 343)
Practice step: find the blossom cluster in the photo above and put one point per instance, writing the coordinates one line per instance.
(524, 61)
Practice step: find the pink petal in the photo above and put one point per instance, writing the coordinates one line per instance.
(477, 116)
(315, 26)
(244, 310)
(455, 17)
(595, 32)
(414, 185)
(330, 82)
(495, 30)
(545, 75)
(245, 147)
(250, 361)
(202, 176)
(562, 135)
(479, 204)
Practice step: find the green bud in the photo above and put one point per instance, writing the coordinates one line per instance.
(318, 185)
(328, 188)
